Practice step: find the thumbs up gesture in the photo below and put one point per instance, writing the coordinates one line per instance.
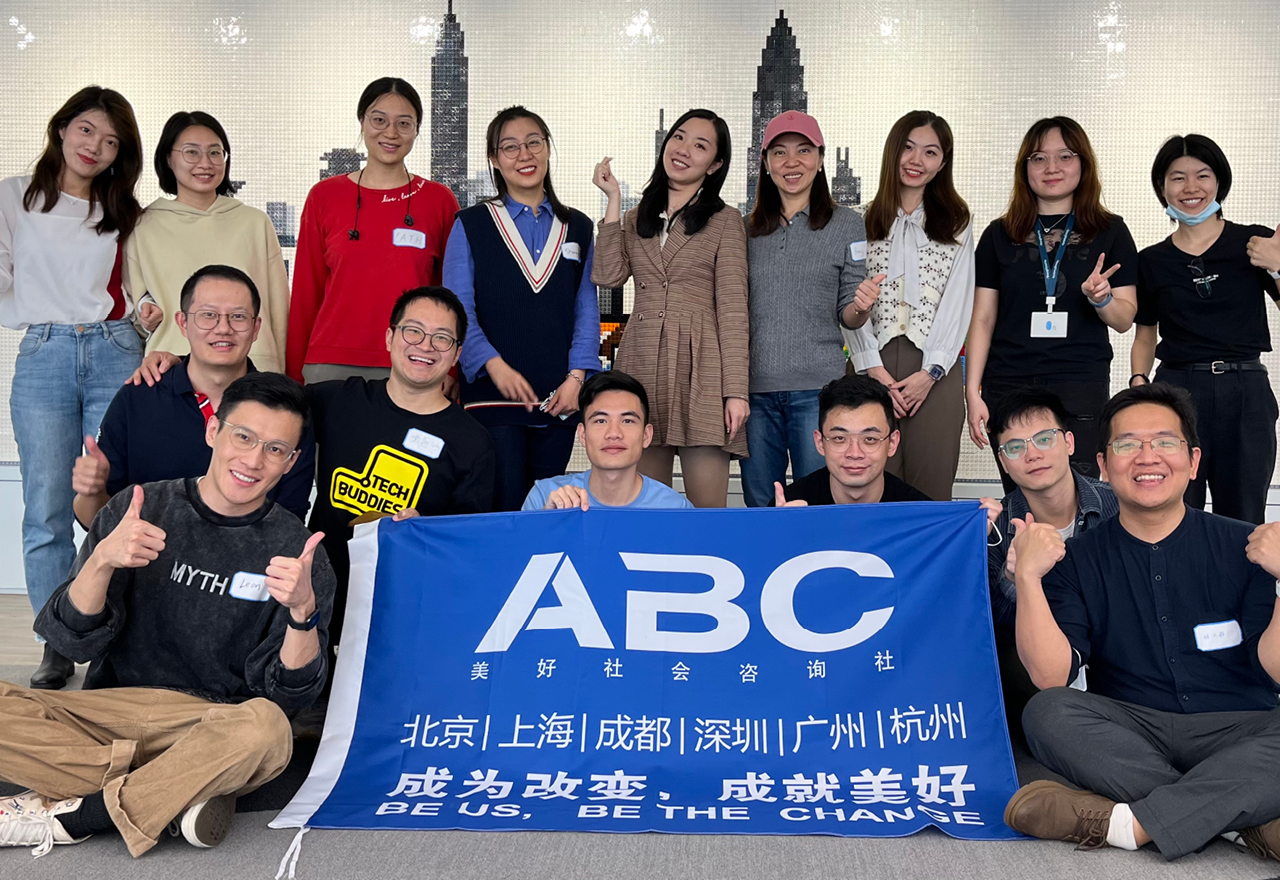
(1038, 547)
(780, 498)
(134, 542)
(1265, 251)
(1098, 286)
(89, 477)
(867, 293)
(289, 580)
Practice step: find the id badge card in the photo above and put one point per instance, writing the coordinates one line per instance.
(1050, 325)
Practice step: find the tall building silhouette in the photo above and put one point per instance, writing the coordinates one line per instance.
(340, 160)
(659, 135)
(449, 108)
(846, 187)
(284, 219)
(779, 86)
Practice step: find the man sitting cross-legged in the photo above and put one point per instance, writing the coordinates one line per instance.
(1176, 613)
(202, 608)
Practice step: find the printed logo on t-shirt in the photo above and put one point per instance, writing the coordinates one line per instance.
(391, 481)
(190, 576)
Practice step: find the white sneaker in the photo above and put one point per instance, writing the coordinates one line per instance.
(206, 824)
(28, 820)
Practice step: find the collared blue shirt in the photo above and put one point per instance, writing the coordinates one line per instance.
(156, 433)
(459, 274)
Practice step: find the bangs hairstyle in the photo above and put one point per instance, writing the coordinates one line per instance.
(441, 296)
(1091, 218)
(699, 211)
(1023, 403)
(493, 135)
(389, 85)
(273, 390)
(612, 380)
(766, 213)
(1161, 394)
(173, 129)
(852, 392)
(945, 213)
(114, 185)
(1197, 146)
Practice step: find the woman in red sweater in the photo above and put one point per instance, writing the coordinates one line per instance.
(365, 238)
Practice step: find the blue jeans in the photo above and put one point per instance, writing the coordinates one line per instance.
(781, 422)
(63, 381)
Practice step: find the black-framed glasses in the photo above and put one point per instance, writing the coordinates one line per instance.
(1127, 446)
(535, 145)
(207, 319)
(406, 125)
(1042, 440)
(1065, 159)
(192, 155)
(415, 335)
(244, 439)
(868, 442)
(1202, 280)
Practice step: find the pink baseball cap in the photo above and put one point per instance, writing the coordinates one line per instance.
(791, 122)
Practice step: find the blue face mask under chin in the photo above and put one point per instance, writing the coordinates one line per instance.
(1194, 219)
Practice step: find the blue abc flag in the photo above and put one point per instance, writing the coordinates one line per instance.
(823, 670)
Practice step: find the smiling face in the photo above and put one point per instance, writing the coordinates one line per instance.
(1190, 185)
(392, 144)
(89, 145)
(241, 478)
(228, 343)
(528, 168)
(1150, 481)
(420, 365)
(848, 442)
(1037, 469)
(690, 154)
(613, 431)
(204, 177)
(921, 158)
(1054, 179)
(793, 163)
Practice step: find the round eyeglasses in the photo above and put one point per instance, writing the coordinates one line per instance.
(1042, 440)
(415, 335)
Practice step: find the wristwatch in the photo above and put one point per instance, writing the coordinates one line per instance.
(935, 372)
(307, 625)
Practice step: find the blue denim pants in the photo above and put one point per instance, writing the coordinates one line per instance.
(781, 422)
(63, 381)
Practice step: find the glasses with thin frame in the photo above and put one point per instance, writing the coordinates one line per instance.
(244, 439)
(535, 145)
(192, 155)
(1202, 280)
(416, 335)
(404, 124)
(1128, 446)
(867, 442)
(207, 319)
(1065, 159)
(1043, 440)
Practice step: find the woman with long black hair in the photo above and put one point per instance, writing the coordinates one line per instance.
(687, 338)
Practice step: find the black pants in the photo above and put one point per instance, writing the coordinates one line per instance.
(1187, 777)
(1083, 402)
(523, 455)
(1236, 421)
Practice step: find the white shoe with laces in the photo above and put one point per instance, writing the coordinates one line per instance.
(28, 820)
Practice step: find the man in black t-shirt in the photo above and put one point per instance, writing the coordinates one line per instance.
(857, 435)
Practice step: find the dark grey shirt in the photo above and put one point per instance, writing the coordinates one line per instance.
(801, 279)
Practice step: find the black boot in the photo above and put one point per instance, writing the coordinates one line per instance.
(53, 672)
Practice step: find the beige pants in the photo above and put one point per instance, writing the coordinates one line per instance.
(929, 453)
(151, 752)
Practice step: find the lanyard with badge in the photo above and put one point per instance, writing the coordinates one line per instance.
(1049, 323)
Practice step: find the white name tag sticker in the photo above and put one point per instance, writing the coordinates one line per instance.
(250, 587)
(1216, 636)
(571, 250)
(423, 443)
(1051, 325)
(858, 251)
(414, 238)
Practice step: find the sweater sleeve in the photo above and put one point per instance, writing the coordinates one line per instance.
(951, 324)
(731, 306)
(310, 275)
(611, 265)
(584, 352)
(276, 297)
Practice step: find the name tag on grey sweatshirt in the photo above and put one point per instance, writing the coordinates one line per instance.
(249, 586)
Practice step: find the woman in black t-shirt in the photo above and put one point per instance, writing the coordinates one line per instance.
(1020, 335)
(1204, 289)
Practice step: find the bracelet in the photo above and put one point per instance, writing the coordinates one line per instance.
(1144, 376)
(1102, 304)
(571, 376)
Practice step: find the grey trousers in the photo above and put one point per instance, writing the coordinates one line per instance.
(1187, 778)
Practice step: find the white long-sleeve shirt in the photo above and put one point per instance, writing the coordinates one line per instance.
(939, 320)
(55, 268)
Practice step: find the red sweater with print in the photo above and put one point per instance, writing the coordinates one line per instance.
(343, 289)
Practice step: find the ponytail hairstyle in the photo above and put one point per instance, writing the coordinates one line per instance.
(766, 214)
(493, 135)
(1091, 218)
(945, 213)
(706, 203)
(113, 187)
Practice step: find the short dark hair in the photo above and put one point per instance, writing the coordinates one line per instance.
(1197, 146)
(612, 380)
(389, 85)
(1022, 402)
(177, 124)
(273, 390)
(441, 295)
(853, 392)
(226, 273)
(1160, 393)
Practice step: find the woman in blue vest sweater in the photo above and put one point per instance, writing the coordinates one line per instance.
(521, 264)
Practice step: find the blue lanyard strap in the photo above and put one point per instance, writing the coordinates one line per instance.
(1051, 276)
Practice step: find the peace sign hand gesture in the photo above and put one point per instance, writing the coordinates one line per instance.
(1098, 286)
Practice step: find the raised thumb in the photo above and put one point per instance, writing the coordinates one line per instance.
(91, 447)
(135, 506)
(1030, 518)
(309, 549)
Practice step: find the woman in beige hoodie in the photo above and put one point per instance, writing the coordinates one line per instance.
(202, 226)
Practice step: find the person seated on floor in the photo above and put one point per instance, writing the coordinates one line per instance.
(615, 431)
(202, 607)
(1175, 610)
(1028, 428)
(858, 434)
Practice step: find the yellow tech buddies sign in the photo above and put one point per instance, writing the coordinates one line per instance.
(391, 481)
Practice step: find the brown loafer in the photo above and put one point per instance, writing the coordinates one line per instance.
(1052, 811)
(1263, 840)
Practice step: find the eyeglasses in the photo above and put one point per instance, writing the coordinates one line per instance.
(1132, 446)
(1043, 440)
(276, 451)
(240, 322)
(415, 335)
(405, 125)
(868, 442)
(535, 145)
(193, 155)
(1204, 287)
(1065, 159)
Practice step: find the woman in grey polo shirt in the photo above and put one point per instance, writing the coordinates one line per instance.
(806, 257)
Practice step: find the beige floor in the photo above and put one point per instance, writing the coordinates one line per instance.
(17, 642)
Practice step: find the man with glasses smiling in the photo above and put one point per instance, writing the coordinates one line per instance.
(857, 435)
(1175, 610)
